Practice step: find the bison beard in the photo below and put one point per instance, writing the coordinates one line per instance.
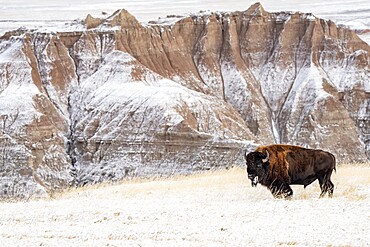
(279, 166)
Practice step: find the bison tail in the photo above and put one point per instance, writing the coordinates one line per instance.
(334, 162)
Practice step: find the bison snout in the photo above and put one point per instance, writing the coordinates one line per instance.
(254, 180)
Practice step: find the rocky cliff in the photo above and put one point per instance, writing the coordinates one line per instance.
(109, 98)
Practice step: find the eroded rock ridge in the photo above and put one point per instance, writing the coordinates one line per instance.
(116, 98)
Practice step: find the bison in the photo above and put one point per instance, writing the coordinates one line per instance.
(278, 166)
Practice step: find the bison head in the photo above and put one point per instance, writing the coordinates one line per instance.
(257, 165)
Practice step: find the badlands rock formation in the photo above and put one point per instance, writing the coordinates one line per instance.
(108, 98)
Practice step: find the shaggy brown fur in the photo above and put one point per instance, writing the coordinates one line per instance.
(278, 166)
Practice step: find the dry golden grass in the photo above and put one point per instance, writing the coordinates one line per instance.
(348, 180)
(211, 209)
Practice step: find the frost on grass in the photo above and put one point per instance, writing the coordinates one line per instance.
(210, 209)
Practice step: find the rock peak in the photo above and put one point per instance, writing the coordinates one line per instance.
(123, 18)
(256, 9)
(92, 22)
(120, 17)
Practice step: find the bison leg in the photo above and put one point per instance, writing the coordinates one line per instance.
(325, 184)
(330, 188)
(322, 185)
(281, 190)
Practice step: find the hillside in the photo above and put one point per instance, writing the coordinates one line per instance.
(105, 99)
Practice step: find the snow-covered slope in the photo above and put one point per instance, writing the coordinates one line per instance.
(34, 130)
(132, 121)
(112, 98)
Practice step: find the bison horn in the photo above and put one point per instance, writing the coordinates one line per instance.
(267, 157)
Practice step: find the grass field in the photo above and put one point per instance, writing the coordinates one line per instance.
(213, 209)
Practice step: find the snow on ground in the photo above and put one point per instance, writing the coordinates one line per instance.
(213, 209)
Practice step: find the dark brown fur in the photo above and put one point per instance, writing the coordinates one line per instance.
(288, 165)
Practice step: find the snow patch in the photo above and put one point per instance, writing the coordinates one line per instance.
(16, 87)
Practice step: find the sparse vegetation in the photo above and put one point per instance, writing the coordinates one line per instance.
(210, 209)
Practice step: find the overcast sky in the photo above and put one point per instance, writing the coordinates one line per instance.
(147, 10)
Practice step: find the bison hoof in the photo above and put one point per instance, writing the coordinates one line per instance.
(283, 196)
